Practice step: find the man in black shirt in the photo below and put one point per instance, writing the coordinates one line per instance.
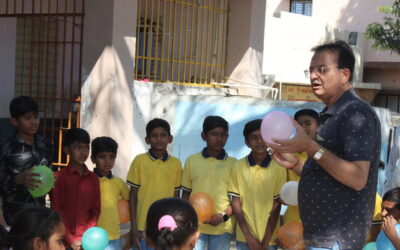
(18, 155)
(338, 181)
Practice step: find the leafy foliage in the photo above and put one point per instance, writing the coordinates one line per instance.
(386, 35)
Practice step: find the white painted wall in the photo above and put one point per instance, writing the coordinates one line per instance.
(7, 63)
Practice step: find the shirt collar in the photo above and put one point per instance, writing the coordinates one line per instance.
(109, 176)
(349, 94)
(251, 162)
(71, 169)
(38, 140)
(154, 157)
(221, 156)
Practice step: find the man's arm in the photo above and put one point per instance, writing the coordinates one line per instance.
(133, 195)
(352, 174)
(252, 241)
(271, 224)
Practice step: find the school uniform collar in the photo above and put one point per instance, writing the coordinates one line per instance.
(72, 170)
(38, 140)
(251, 162)
(109, 176)
(154, 157)
(221, 156)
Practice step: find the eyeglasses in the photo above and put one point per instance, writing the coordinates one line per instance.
(321, 70)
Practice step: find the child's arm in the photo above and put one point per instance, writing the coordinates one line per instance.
(252, 241)
(272, 220)
(388, 226)
(135, 237)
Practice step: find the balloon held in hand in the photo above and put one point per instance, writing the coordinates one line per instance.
(95, 238)
(203, 205)
(289, 193)
(277, 125)
(46, 181)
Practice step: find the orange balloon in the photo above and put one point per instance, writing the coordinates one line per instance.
(203, 205)
(290, 235)
(123, 211)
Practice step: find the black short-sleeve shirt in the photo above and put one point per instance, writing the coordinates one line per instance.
(331, 211)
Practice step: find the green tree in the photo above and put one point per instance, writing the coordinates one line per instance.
(386, 35)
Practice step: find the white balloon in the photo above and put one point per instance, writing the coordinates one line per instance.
(289, 193)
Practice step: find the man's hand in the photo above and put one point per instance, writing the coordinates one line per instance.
(215, 220)
(388, 226)
(76, 245)
(253, 243)
(286, 160)
(28, 179)
(135, 239)
(301, 142)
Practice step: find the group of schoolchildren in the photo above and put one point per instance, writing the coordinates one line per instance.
(245, 192)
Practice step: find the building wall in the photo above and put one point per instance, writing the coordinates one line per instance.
(7, 63)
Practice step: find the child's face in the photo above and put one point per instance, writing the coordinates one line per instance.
(216, 138)
(256, 142)
(309, 124)
(158, 139)
(104, 162)
(389, 209)
(27, 124)
(56, 240)
(78, 152)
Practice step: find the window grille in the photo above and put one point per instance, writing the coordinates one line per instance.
(181, 41)
(302, 7)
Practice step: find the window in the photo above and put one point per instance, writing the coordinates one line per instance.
(181, 41)
(302, 7)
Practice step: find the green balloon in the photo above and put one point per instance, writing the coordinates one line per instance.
(47, 181)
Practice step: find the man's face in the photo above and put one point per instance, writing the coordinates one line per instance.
(327, 80)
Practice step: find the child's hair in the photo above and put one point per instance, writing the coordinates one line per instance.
(393, 195)
(30, 223)
(307, 112)
(211, 122)
(104, 144)
(250, 127)
(76, 135)
(157, 123)
(170, 222)
(22, 105)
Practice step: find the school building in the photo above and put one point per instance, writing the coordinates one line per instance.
(111, 66)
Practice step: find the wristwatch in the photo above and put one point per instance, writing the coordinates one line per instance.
(318, 155)
(225, 217)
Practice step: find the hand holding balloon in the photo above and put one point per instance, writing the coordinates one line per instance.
(45, 178)
(203, 205)
(28, 179)
(289, 193)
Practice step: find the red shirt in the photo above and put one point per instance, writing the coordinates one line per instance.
(77, 199)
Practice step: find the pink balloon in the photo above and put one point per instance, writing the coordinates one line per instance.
(277, 125)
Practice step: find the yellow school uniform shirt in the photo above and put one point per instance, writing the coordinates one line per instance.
(203, 173)
(112, 189)
(293, 213)
(257, 187)
(155, 179)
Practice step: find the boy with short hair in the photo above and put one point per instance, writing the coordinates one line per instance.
(152, 176)
(208, 172)
(76, 195)
(104, 152)
(18, 155)
(254, 188)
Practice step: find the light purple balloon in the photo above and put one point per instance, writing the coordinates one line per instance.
(277, 125)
